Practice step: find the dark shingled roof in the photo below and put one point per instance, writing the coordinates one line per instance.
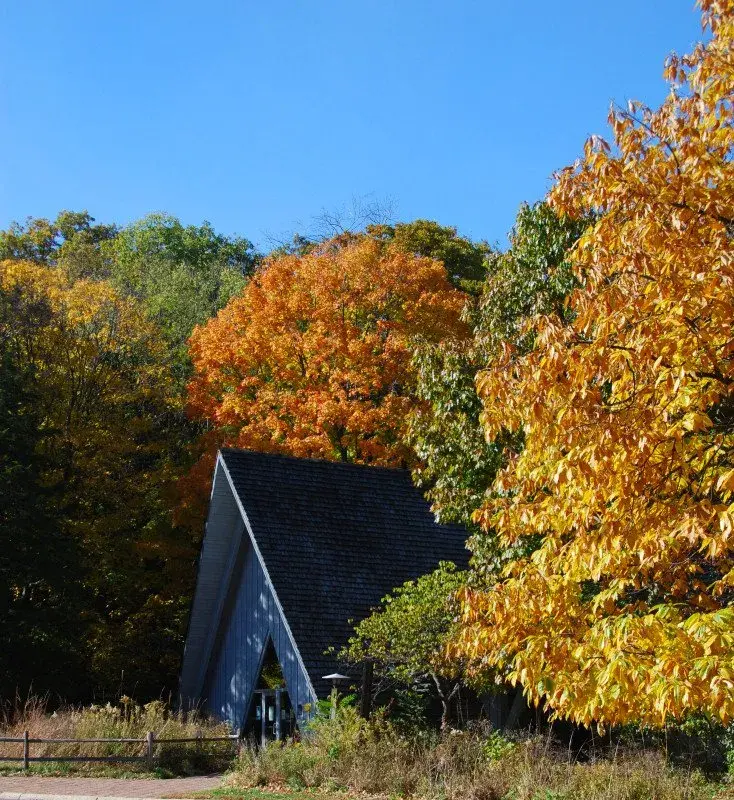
(335, 539)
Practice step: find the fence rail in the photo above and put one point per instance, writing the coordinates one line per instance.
(150, 741)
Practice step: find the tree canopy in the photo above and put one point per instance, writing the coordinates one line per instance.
(183, 273)
(38, 606)
(456, 462)
(102, 413)
(313, 358)
(407, 636)
(47, 241)
(465, 260)
(624, 611)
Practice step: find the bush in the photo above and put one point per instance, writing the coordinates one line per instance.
(373, 757)
(698, 740)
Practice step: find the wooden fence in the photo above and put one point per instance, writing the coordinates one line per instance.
(150, 742)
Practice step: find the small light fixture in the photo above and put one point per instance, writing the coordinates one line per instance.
(335, 678)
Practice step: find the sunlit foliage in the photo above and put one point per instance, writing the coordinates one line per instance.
(624, 612)
(456, 462)
(406, 636)
(313, 359)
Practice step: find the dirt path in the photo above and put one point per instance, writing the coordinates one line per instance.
(28, 787)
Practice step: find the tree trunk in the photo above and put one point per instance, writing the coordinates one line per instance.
(365, 700)
(445, 700)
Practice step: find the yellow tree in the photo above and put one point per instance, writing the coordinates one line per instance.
(99, 368)
(101, 387)
(623, 611)
(313, 358)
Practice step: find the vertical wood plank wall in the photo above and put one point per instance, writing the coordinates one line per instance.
(224, 529)
(250, 617)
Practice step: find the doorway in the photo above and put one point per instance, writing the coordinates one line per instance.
(270, 716)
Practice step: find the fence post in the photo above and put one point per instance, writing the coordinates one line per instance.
(26, 753)
(149, 737)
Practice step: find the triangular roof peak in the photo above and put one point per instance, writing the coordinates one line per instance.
(333, 539)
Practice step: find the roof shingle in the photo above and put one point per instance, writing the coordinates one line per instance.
(335, 539)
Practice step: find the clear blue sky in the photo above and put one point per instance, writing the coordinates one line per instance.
(259, 114)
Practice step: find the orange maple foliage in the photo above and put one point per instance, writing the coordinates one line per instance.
(624, 611)
(313, 359)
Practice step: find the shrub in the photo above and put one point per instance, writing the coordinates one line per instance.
(373, 757)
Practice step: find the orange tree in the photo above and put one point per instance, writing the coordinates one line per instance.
(623, 611)
(313, 358)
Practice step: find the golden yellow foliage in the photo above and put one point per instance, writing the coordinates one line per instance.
(101, 377)
(624, 610)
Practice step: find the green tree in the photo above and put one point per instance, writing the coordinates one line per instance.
(465, 260)
(533, 277)
(101, 393)
(406, 637)
(72, 239)
(39, 606)
(102, 373)
(456, 462)
(184, 274)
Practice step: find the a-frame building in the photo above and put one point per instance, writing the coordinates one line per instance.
(296, 551)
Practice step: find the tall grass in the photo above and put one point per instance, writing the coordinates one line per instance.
(374, 758)
(124, 721)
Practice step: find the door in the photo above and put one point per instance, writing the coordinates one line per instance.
(271, 716)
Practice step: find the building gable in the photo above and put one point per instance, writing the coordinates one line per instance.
(299, 549)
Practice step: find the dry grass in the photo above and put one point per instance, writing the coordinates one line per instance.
(350, 755)
(125, 721)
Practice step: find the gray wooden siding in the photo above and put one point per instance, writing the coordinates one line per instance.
(233, 614)
(249, 618)
(224, 530)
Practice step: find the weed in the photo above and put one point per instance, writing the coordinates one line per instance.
(375, 758)
(124, 721)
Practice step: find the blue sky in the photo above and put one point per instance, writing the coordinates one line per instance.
(258, 114)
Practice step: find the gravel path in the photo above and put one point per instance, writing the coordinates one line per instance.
(30, 787)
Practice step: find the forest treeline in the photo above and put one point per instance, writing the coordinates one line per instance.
(108, 419)
(94, 322)
(567, 398)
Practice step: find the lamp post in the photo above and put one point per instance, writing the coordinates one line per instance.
(335, 678)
